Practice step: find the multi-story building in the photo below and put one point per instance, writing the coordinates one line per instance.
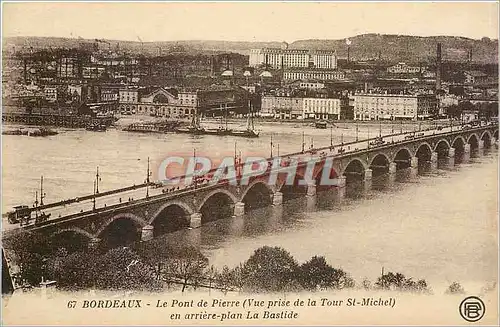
(282, 107)
(109, 94)
(50, 93)
(311, 85)
(368, 106)
(313, 74)
(92, 72)
(166, 103)
(128, 99)
(276, 58)
(321, 108)
(403, 68)
(67, 67)
(187, 98)
(186, 103)
(474, 77)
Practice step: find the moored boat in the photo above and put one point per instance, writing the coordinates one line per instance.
(96, 127)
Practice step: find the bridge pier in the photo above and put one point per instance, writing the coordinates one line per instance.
(341, 187)
(480, 148)
(94, 244)
(239, 209)
(392, 172)
(466, 155)
(368, 180)
(434, 162)
(195, 220)
(147, 233)
(451, 158)
(413, 167)
(277, 198)
(311, 203)
(311, 189)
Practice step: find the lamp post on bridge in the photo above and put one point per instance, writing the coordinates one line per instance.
(303, 142)
(36, 206)
(148, 174)
(93, 199)
(97, 178)
(42, 194)
(271, 145)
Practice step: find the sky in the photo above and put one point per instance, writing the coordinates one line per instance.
(247, 21)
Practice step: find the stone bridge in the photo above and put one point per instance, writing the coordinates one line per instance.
(354, 164)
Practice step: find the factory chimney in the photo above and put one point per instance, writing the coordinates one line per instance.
(438, 67)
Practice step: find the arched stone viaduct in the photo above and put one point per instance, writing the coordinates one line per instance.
(149, 217)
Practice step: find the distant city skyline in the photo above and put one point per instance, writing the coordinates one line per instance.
(245, 21)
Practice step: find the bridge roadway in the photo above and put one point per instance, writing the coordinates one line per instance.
(126, 199)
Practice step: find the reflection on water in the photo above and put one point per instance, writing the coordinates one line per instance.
(440, 226)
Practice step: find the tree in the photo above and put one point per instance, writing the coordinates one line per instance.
(187, 264)
(32, 250)
(117, 269)
(455, 288)
(223, 279)
(366, 284)
(398, 282)
(269, 269)
(317, 274)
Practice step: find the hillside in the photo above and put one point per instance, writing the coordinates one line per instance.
(408, 48)
(391, 47)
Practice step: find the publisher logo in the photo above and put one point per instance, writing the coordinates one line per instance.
(472, 309)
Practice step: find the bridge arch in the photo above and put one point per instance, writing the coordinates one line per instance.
(218, 204)
(486, 138)
(402, 158)
(120, 229)
(459, 145)
(458, 137)
(72, 239)
(258, 194)
(354, 173)
(424, 146)
(172, 216)
(380, 164)
(380, 170)
(424, 154)
(75, 230)
(356, 162)
(442, 148)
(439, 143)
(294, 190)
(473, 138)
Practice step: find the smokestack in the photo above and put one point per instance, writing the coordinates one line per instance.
(438, 67)
(348, 54)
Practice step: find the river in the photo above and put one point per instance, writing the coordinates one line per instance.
(442, 228)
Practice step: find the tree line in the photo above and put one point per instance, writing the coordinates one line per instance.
(155, 266)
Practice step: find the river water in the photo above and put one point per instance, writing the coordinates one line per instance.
(442, 227)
